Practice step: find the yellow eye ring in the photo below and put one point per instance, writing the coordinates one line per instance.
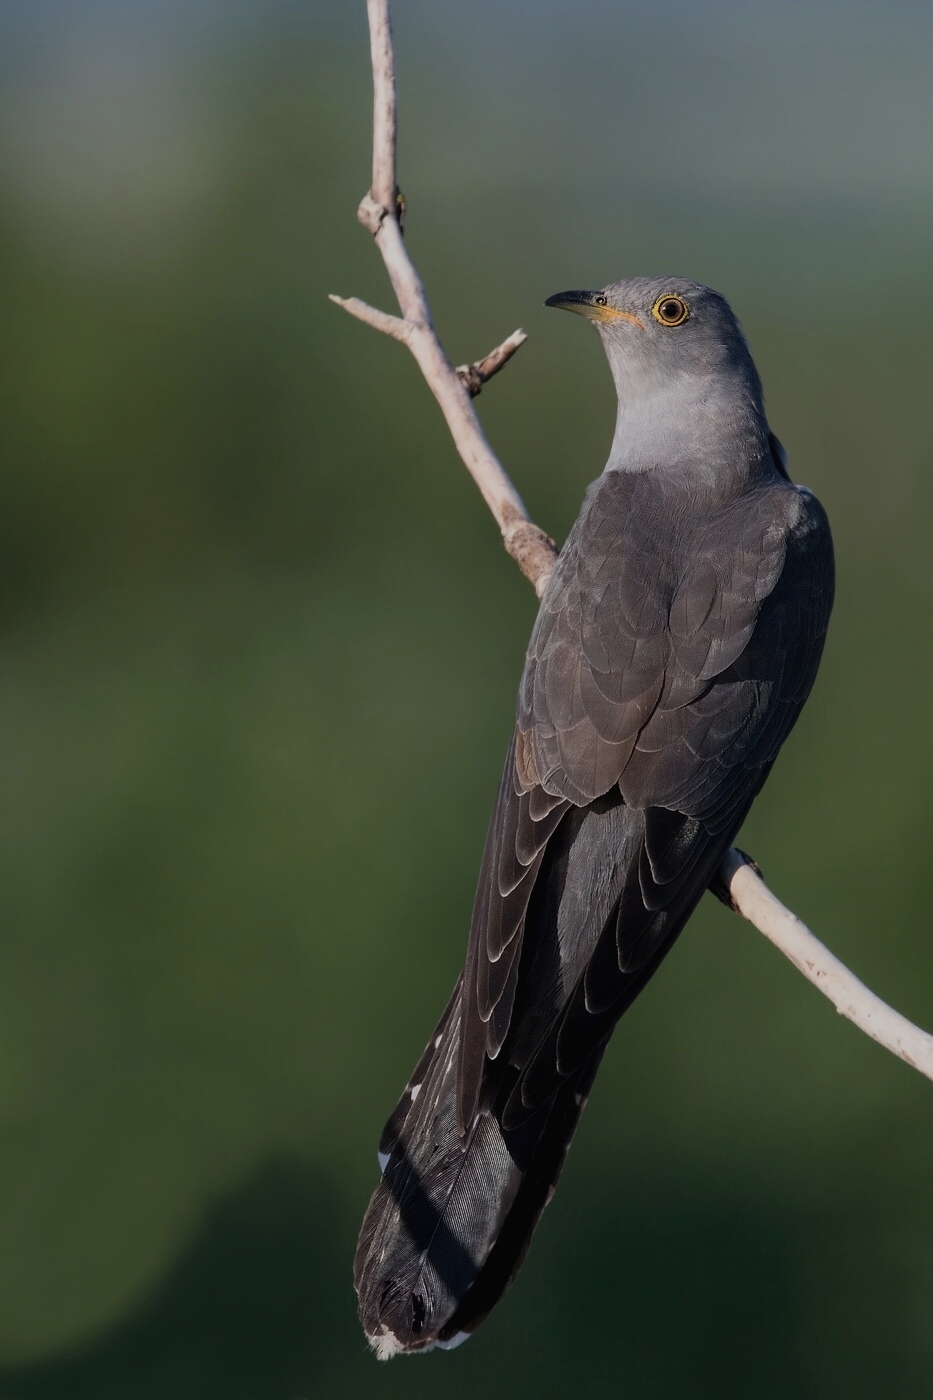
(670, 310)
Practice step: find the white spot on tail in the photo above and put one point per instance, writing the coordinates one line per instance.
(383, 1159)
(454, 1341)
(414, 1091)
(386, 1345)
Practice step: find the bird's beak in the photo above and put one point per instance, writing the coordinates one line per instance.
(585, 304)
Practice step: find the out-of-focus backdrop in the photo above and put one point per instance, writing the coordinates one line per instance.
(259, 647)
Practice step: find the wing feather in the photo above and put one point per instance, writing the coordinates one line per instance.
(658, 688)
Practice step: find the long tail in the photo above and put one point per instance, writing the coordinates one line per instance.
(449, 1223)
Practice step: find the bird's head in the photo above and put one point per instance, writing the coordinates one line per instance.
(683, 372)
(658, 330)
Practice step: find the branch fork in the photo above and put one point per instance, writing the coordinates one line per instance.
(739, 883)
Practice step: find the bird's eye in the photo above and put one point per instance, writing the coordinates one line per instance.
(600, 300)
(670, 310)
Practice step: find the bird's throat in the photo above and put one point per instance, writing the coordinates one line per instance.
(689, 424)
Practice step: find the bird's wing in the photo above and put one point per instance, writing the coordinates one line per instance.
(660, 683)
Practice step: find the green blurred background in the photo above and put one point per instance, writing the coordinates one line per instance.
(259, 647)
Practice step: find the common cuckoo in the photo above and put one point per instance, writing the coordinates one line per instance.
(676, 642)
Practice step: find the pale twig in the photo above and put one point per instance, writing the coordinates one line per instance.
(474, 376)
(380, 211)
(752, 899)
(379, 320)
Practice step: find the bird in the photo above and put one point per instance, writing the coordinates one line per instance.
(676, 642)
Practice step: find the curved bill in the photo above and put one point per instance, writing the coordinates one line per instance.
(585, 304)
(581, 302)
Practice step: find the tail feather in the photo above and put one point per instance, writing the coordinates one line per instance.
(450, 1222)
(455, 1211)
(394, 1127)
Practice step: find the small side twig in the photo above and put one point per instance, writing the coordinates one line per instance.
(474, 376)
(379, 320)
(738, 883)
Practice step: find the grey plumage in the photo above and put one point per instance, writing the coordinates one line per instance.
(676, 642)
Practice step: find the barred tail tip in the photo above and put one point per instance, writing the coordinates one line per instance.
(386, 1345)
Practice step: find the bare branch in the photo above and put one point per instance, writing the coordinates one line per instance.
(381, 211)
(851, 998)
(385, 120)
(474, 376)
